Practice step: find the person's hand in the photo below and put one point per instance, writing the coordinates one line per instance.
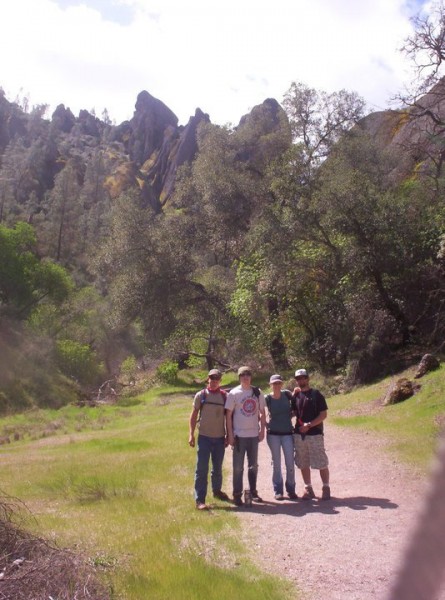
(261, 436)
(231, 440)
(192, 440)
(297, 390)
(304, 428)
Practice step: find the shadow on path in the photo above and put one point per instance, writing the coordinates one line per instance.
(302, 507)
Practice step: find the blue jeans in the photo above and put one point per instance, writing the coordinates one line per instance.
(276, 443)
(214, 448)
(243, 446)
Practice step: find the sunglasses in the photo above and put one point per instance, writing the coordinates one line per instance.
(301, 377)
(214, 378)
(246, 374)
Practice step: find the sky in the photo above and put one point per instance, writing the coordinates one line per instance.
(223, 56)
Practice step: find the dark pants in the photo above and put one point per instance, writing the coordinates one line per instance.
(213, 448)
(243, 446)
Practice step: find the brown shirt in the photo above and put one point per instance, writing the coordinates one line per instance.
(212, 422)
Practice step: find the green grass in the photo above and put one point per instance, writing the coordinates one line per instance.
(411, 426)
(117, 483)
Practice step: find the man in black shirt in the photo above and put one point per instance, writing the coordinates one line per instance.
(311, 410)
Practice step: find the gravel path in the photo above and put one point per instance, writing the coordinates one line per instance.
(349, 547)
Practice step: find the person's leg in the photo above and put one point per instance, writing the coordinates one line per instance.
(324, 474)
(288, 450)
(239, 451)
(202, 468)
(319, 460)
(218, 451)
(306, 474)
(302, 460)
(273, 441)
(252, 464)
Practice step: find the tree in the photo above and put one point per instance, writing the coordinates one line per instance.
(425, 48)
(63, 214)
(25, 280)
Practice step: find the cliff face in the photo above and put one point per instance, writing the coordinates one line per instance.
(415, 135)
(146, 151)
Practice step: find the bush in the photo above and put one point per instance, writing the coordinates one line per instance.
(168, 372)
(78, 361)
(129, 369)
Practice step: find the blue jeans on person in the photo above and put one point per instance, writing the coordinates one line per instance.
(277, 443)
(208, 448)
(243, 446)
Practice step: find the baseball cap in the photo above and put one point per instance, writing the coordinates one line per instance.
(276, 377)
(215, 373)
(301, 373)
(244, 370)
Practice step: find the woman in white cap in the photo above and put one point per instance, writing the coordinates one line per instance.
(280, 437)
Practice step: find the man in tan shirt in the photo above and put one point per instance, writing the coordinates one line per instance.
(208, 414)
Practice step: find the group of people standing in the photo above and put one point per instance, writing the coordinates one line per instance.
(292, 423)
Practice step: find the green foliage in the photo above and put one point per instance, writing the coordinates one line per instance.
(26, 280)
(167, 372)
(78, 361)
(129, 368)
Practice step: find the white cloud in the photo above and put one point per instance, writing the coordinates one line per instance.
(223, 56)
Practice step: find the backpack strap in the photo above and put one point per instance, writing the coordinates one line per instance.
(256, 391)
(203, 396)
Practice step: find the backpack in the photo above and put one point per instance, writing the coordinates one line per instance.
(204, 400)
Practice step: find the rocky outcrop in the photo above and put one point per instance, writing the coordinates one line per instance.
(63, 119)
(151, 119)
(179, 146)
(411, 134)
(428, 363)
(399, 391)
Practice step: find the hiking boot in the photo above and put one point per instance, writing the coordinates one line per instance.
(308, 493)
(202, 506)
(279, 497)
(326, 493)
(220, 495)
(237, 500)
(255, 497)
(292, 496)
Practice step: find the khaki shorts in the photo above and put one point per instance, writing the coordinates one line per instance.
(310, 452)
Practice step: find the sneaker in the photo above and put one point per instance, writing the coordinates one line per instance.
(202, 506)
(220, 495)
(292, 496)
(279, 497)
(237, 501)
(308, 493)
(326, 493)
(255, 497)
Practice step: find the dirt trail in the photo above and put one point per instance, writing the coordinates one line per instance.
(350, 547)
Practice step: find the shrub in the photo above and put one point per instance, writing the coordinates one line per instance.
(168, 372)
(129, 368)
(78, 361)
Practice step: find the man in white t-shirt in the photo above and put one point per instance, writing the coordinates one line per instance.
(245, 424)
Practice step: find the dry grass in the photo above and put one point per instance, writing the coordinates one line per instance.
(31, 567)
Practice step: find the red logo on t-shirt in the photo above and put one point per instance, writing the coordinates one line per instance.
(248, 407)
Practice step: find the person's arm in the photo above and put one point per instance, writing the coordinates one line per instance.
(321, 417)
(262, 419)
(229, 427)
(192, 426)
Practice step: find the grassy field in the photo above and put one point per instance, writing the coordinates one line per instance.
(411, 427)
(116, 482)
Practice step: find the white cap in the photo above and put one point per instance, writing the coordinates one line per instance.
(301, 373)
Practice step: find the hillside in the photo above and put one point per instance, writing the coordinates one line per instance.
(308, 233)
